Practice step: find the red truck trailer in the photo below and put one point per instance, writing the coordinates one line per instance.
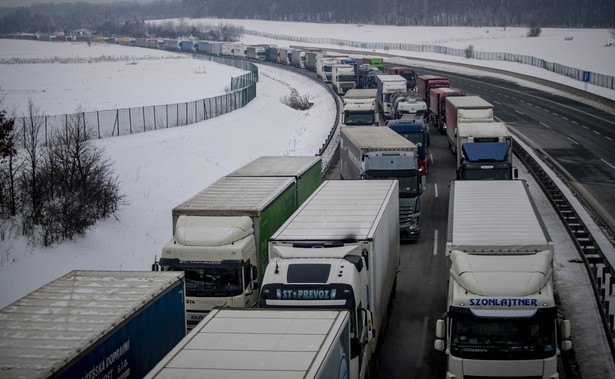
(426, 82)
(437, 106)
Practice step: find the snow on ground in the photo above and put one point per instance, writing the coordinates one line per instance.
(62, 78)
(158, 170)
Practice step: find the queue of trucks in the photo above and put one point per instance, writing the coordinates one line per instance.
(323, 256)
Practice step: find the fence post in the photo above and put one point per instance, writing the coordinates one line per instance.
(46, 138)
(130, 120)
(98, 123)
(155, 122)
(143, 108)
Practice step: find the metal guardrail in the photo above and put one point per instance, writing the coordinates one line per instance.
(598, 267)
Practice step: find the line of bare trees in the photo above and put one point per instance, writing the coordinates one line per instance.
(55, 188)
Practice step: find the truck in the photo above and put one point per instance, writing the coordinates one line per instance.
(388, 85)
(377, 62)
(93, 324)
(263, 343)
(360, 107)
(311, 57)
(220, 240)
(340, 250)
(460, 109)
(306, 172)
(424, 83)
(324, 66)
(407, 73)
(501, 318)
(484, 151)
(375, 153)
(343, 78)
(415, 131)
(437, 106)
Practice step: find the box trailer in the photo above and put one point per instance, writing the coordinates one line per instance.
(340, 250)
(306, 171)
(461, 109)
(262, 343)
(93, 324)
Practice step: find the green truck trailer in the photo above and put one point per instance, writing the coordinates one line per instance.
(221, 234)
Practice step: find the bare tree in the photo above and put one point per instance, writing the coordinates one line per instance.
(9, 167)
(79, 184)
(32, 128)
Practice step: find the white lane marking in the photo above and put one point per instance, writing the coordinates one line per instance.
(573, 141)
(543, 124)
(610, 165)
(435, 242)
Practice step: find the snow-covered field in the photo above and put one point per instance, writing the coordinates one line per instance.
(158, 170)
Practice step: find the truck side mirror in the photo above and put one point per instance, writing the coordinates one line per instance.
(440, 328)
(516, 173)
(155, 265)
(253, 273)
(565, 327)
(439, 345)
(254, 286)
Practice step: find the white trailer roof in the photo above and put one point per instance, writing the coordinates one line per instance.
(343, 209)
(390, 78)
(373, 138)
(253, 343)
(494, 215)
(47, 328)
(468, 101)
(482, 129)
(277, 166)
(360, 93)
(235, 196)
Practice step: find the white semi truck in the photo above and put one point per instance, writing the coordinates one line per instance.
(263, 343)
(340, 250)
(501, 318)
(387, 86)
(324, 66)
(343, 78)
(484, 151)
(461, 109)
(220, 235)
(380, 153)
(361, 107)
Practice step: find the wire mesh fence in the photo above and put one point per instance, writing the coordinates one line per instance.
(594, 78)
(117, 122)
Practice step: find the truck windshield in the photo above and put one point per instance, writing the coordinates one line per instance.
(417, 138)
(409, 186)
(346, 78)
(359, 118)
(503, 339)
(212, 281)
(490, 174)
